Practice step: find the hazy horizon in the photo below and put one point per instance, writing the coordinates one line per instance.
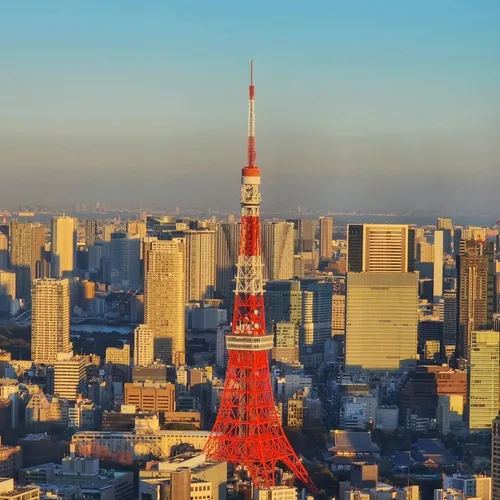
(391, 107)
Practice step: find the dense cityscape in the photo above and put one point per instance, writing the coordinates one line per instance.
(336, 336)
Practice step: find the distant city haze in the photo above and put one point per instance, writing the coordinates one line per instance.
(387, 107)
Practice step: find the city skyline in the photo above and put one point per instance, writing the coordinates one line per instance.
(394, 106)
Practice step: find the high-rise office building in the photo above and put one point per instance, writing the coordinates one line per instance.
(200, 264)
(338, 314)
(126, 261)
(144, 345)
(495, 459)
(63, 248)
(164, 299)
(380, 248)
(227, 235)
(304, 244)
(425, 252)
(91, 229)
(277, 250)
(483, 379)
(4, 251)
(381, 320)
(303, 235)
(450, 322)
(325, 237)
(286, 342)
(27, 248)
(446, 225)
(304, 303)
(70, 377)
(283, 301)
(438, 264)
(476, 290)
(50, 319)
(316, 324)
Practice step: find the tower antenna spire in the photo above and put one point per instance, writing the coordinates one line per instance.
(248, 431)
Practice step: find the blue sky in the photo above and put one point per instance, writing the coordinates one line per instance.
(348, 93)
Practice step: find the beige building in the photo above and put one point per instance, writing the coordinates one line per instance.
(381, 320)
(117, 356)
(50, 319)
(64, 239)
(277, 250)
(140, 444)
(295, 413)
(379, 248)
(144, 345)
(180, 486)
(27, 247)
(42, 408)
(425, 252)
(7, 289)
(151, 396)
(4, 251)
(9, 491)
(70, 377)
(483, 379)
(135, 227)
(10, 459)
(209, 471)
(200, 264)
(338, 314)
(164, 304)
(325, 237)
(276, 493)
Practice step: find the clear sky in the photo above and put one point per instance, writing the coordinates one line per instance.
(368, 104)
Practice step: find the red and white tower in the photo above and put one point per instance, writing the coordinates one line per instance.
(247, 431)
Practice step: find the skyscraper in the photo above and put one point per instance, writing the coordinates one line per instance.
(316, 325)
(303, 235)
(227, 235)
(277, 250)
(380, 248)
(483, 379)
(381, 320)
(63, 247)
(50, 323)
(445, 225)
(325, 237)
(91, 227)
(164, 299)
(126, 261)
(476, 291)
(450, 322)
(4, 251)
(304, 245)
(27, 248)
(438, 265)
(200, 264)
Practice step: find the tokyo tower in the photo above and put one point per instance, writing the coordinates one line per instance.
(248, 431)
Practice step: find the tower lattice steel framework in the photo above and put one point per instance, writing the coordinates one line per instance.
(248, 431)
